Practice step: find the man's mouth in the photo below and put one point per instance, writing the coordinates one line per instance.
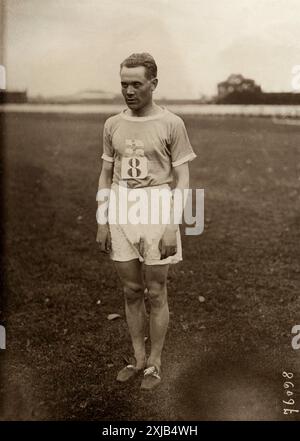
(131, 101)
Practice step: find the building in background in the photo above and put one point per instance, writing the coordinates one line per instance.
(239, 90)
(237, 83)
(16, 97)
(81, 97)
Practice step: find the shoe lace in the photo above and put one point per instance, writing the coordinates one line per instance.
(151, 371)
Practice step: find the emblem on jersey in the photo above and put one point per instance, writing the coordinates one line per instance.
(134, 163)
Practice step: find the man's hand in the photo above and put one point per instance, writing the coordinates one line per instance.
(104, 238)
(168, 242)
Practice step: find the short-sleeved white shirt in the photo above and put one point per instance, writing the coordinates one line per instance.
(144, 149)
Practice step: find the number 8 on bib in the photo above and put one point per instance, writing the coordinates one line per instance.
(134, 167)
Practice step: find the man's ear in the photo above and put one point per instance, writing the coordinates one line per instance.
(154, 83)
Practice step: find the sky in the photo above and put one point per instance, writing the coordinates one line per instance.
(60, 47)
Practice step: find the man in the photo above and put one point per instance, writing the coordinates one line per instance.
(144, 148)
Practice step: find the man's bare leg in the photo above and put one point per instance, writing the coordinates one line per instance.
(156, 282)
(130, 274)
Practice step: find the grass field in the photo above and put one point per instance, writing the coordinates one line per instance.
(223, 358)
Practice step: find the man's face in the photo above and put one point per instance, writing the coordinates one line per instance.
(136, 88)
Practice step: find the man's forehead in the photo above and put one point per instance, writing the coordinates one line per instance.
(133, 73)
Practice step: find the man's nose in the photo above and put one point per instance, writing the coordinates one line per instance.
(130, 90)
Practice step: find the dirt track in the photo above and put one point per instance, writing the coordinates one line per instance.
(223, 358)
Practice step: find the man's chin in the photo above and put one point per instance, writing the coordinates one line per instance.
(133, 106)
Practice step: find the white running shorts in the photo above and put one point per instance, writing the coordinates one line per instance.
(139, 241)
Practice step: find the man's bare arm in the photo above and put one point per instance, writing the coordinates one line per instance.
(168, 242)
(105, 181)
(182, 176)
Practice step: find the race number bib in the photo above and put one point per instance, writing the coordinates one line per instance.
(134, 167)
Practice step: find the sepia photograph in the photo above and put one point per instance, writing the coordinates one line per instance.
(150, 212)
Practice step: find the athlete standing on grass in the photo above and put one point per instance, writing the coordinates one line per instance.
(144, 147)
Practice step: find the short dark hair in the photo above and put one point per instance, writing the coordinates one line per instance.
(143, 59)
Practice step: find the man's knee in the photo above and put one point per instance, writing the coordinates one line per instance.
(133, 292)
(157, 293)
